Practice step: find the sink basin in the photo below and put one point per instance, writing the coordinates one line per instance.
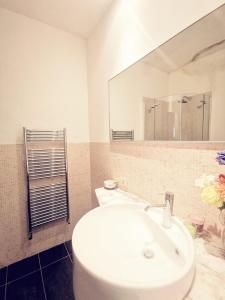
(122, 252)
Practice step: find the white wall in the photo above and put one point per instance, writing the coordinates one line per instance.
(127, 91)
(130, 30)
(43, 79)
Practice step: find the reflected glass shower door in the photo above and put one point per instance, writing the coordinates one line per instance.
(149, 119)
(162, 131)
(161, 120)
(195, 117)
(205, 106)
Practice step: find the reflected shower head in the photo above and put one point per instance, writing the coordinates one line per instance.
(185, 99)
(203, 103)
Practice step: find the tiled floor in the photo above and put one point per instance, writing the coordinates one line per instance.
(45, 276)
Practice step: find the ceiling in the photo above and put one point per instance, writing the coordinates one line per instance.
(75, 16)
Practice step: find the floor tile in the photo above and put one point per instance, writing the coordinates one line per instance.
(53, 254)
(69, 246)
(58, 280)
(23, 267)
(2, 276)
(26, 288)
(2, 292)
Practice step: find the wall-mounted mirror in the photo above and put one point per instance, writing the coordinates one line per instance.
(176, 92)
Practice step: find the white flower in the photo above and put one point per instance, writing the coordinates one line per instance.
(205, 181)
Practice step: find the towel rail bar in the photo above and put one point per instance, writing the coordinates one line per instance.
(48, 202)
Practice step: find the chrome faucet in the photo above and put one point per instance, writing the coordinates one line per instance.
(168, 209)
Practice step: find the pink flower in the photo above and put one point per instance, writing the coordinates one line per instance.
(222, 178)
(220, 187)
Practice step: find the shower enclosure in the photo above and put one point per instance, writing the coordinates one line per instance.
(177, 117)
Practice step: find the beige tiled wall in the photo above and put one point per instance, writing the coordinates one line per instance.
(141, 168)
(150, 171)
(13, 203)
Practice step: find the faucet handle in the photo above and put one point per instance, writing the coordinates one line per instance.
(169, 196)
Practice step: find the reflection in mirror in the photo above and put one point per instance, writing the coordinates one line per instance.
(177, 117)
(177, 92)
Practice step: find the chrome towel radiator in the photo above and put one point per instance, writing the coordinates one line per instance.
(47, 176)
(119, 135)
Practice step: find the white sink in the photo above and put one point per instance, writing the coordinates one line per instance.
(124, 253)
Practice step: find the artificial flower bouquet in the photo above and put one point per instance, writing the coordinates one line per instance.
(212, 190)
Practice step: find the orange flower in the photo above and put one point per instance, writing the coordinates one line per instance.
(220, 187)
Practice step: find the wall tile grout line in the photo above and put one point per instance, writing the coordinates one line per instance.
(55, 261)
(30, 273)
(5, 287)
(71, 258)
(68, 253)
(6, 282)
(42, 279)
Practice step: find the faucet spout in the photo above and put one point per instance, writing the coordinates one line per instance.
(168, 209)
(152, 206)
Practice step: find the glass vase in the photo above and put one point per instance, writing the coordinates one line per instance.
(222, 216)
